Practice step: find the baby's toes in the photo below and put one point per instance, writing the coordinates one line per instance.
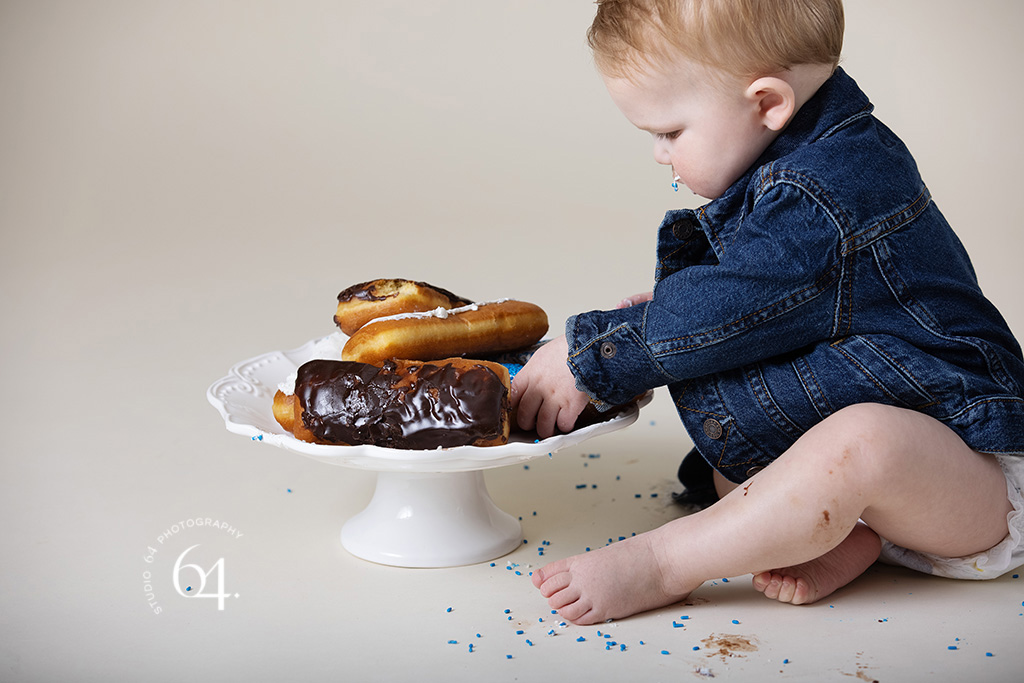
(787, 590)
(555, 584)
(576, 611)
(761, 581)
(802, 593)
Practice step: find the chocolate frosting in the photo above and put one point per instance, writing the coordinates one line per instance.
(425, 406)
(365, 291)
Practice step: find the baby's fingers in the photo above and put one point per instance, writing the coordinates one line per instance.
(635, 299)
(524, 402)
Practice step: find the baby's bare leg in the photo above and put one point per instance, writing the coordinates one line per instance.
(906, 475)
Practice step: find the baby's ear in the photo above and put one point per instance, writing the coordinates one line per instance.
(775, 101)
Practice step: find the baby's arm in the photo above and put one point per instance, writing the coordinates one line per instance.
(545, 391)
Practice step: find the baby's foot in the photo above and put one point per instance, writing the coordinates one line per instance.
(811, 581)
(616, 581)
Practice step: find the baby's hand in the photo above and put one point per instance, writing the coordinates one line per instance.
(635, 299)
(545, 391)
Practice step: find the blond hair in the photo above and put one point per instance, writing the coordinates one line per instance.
(746, 38)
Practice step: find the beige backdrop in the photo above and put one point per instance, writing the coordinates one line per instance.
(222, 169)
(187, 184)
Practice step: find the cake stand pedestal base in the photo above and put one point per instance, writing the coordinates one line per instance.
(431, 519)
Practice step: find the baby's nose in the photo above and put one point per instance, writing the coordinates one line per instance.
(661, 153)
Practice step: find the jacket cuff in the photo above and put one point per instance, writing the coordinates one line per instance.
(608, 357)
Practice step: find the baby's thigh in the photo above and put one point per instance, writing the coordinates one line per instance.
(926, 489)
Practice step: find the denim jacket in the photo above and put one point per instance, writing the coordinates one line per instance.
(826, 276)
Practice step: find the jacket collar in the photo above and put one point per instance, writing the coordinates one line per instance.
(838, 102)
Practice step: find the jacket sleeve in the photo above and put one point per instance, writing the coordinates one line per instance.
(774, 290)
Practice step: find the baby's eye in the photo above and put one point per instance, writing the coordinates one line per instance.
(668, 136)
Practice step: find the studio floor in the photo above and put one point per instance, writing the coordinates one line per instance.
(297, 606)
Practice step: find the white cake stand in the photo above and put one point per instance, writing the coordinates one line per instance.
(429, 508)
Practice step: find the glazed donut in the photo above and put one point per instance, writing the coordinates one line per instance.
(401, 404)
(361, 303)
(474, 330)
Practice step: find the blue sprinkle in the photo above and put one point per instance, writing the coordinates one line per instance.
(479, 636)
(735, 621)
(622, 648)
(581, 639)
(581, 486)
(471, 647)
(664, 652)
(785, 661)
(684, 617)
(453, 642)
(725, 580)
(492, 564)
(519, 633)
(529, 642)
(989, 654)
(508, 656)
(676, 624)
(696, 647)
(288, 490)
(187, 589)
(449, 609)
(952, 647)
(258, 437)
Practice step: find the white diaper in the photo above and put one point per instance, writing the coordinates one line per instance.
(1005, 556)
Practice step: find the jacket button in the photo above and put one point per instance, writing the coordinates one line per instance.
(683, 229)
(608, 350)
(713, 428)
(754, 470)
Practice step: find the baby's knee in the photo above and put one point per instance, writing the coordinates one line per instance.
(870, 436)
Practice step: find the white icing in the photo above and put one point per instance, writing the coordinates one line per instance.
(439, 312)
